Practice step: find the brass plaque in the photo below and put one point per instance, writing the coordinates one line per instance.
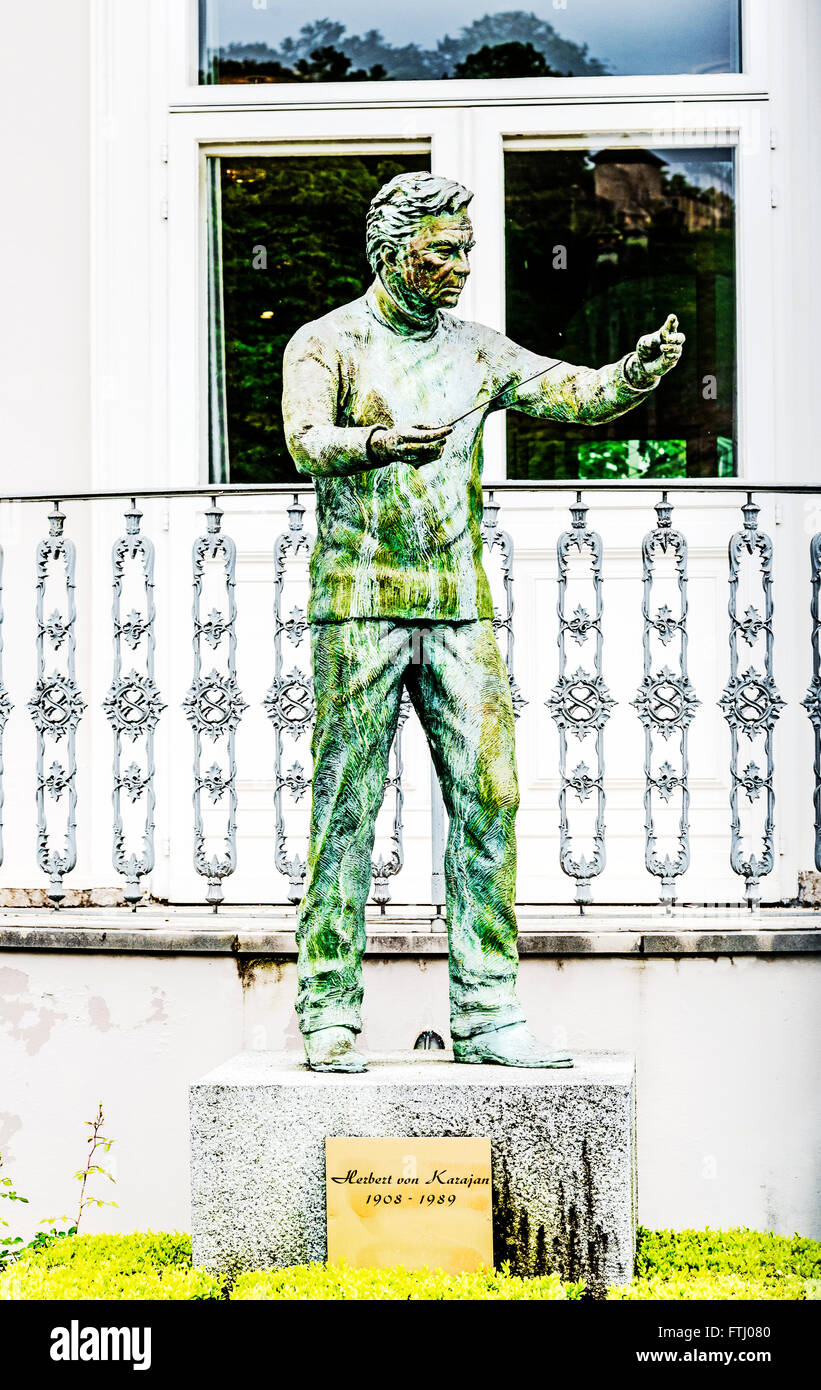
(409, 1202)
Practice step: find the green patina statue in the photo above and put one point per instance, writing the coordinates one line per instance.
(384, 402)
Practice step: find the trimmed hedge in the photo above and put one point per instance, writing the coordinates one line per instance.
(146, 1265)
(670, 1265)
(700, 1284)
(739, 1263)
(739, 1251)
(334, 1282)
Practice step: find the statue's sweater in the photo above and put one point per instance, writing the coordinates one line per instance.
(399, 541)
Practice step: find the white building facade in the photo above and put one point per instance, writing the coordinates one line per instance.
(120, 334)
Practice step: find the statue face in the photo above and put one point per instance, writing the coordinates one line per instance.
(433, 265)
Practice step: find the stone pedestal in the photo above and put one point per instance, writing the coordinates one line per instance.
(562, 1142)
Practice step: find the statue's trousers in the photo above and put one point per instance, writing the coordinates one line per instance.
(457, 682)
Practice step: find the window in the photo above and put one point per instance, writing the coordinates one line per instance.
(242, 42)
(600, 245)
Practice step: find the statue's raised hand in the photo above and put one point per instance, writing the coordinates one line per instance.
(424, 444)
(656, 353)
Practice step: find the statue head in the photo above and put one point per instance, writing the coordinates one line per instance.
(417, 237)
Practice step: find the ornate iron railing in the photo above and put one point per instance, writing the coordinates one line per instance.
(665, 701)
(289, 702)
(750, 701)
(214, 702)
(812, 699)
(580, 702)
(133, 704)
(56, 705)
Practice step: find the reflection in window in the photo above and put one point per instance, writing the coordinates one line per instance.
(292, 247)
(599, 248)
(299, 41)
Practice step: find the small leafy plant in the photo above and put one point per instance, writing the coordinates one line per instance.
(98, 1143)
(7, 1191)
(12, 1247)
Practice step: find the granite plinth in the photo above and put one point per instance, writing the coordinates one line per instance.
(562, 1143)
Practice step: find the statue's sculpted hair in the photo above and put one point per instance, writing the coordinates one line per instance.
(399, 206)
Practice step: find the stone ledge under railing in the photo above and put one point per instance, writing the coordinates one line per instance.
(249, 934)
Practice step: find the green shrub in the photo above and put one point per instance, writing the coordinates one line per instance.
(303, 1282)
(146, 1265)
(736, 1251)
(670, 1265)
(711, 1287)
(733, 1264)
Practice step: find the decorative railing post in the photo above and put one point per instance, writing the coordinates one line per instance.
(56, 706)
(5, 705)
(812, 699)
(580, 703)
(665, 701)
(214, 704)
(289, 702)
(383, 870)
(494, 537)
(133, 704)
(751, 702)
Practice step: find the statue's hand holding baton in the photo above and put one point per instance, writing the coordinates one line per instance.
(655, 354)
(425, 443)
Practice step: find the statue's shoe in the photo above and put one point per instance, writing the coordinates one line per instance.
(333, 1049)
(511, 1046)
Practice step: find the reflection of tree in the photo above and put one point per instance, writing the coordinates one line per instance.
(325, 64)
(321, 33)
(520, 27)
(630, 458)
(250, 70)
(308, 214)
(500, 38)
(505, 60)
(329, 65)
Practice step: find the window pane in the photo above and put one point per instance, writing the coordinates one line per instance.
(297, 40)
(600, 247)
(293, 247)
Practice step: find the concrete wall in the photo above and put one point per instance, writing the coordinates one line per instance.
(729, 1112)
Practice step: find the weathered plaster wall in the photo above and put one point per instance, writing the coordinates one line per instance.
(728, 1102)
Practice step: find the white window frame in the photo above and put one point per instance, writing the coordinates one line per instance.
(742, 126)
(186, 91)
(149, 397)
(470, 147)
